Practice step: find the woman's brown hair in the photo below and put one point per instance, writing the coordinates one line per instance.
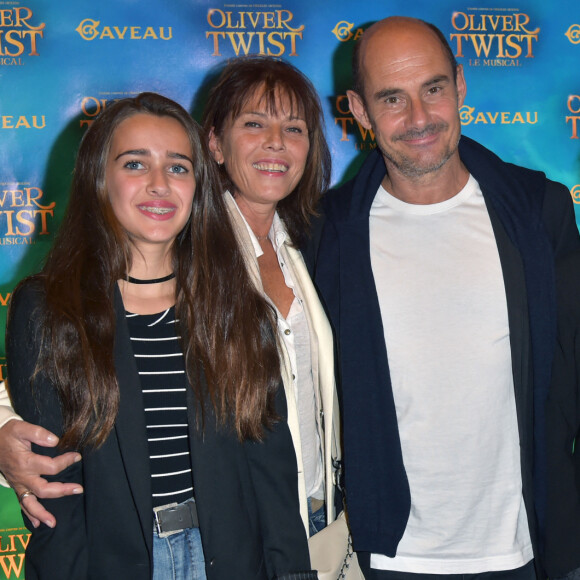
(226, 326)
(243, 79)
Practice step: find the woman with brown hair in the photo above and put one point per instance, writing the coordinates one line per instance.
(266, 134)
(144, 343)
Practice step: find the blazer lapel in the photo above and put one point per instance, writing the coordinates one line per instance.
(516, 298)
(244, 242)
(322, 366)
(130, 425)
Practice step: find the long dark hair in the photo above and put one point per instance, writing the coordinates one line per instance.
(244, 78)
(226, 326)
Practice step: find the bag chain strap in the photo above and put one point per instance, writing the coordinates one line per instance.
(346, 563)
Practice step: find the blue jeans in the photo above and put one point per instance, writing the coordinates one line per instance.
(179, 556)
(316, 520)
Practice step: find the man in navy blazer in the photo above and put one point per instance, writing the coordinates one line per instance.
(436, 266)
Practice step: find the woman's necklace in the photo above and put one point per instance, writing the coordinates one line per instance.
(152, 281)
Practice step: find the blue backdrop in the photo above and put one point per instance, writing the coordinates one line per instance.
(62, 62)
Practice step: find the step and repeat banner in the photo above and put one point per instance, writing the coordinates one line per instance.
(62, 63)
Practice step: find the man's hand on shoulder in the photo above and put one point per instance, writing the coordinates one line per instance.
(24, 469)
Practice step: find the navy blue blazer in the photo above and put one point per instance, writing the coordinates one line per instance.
(533, 221)
(563, 427)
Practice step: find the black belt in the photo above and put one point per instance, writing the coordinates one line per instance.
(175, 517)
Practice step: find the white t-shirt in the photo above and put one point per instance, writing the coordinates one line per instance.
(443, 306)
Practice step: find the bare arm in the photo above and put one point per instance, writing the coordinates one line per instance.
(22, 469)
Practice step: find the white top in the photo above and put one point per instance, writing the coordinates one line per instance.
(444, 311)
(294, 334)
(6, 413)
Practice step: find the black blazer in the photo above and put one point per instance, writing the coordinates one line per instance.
(246, 493)
(563, 427)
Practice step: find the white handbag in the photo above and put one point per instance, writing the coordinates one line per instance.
(331, 552)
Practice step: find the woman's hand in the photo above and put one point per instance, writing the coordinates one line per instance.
(24, 469)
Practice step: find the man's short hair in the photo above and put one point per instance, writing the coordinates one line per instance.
(357, 73)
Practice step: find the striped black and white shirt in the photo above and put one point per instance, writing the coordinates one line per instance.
(161, 368)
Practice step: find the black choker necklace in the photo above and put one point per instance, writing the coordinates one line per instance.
(154, 281)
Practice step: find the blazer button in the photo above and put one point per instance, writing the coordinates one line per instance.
(212, 562)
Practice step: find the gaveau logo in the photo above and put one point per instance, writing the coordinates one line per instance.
(469, 115)
(90, 29)
(573, 34)
(344, 31)
(22, 121)
(19, 35)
